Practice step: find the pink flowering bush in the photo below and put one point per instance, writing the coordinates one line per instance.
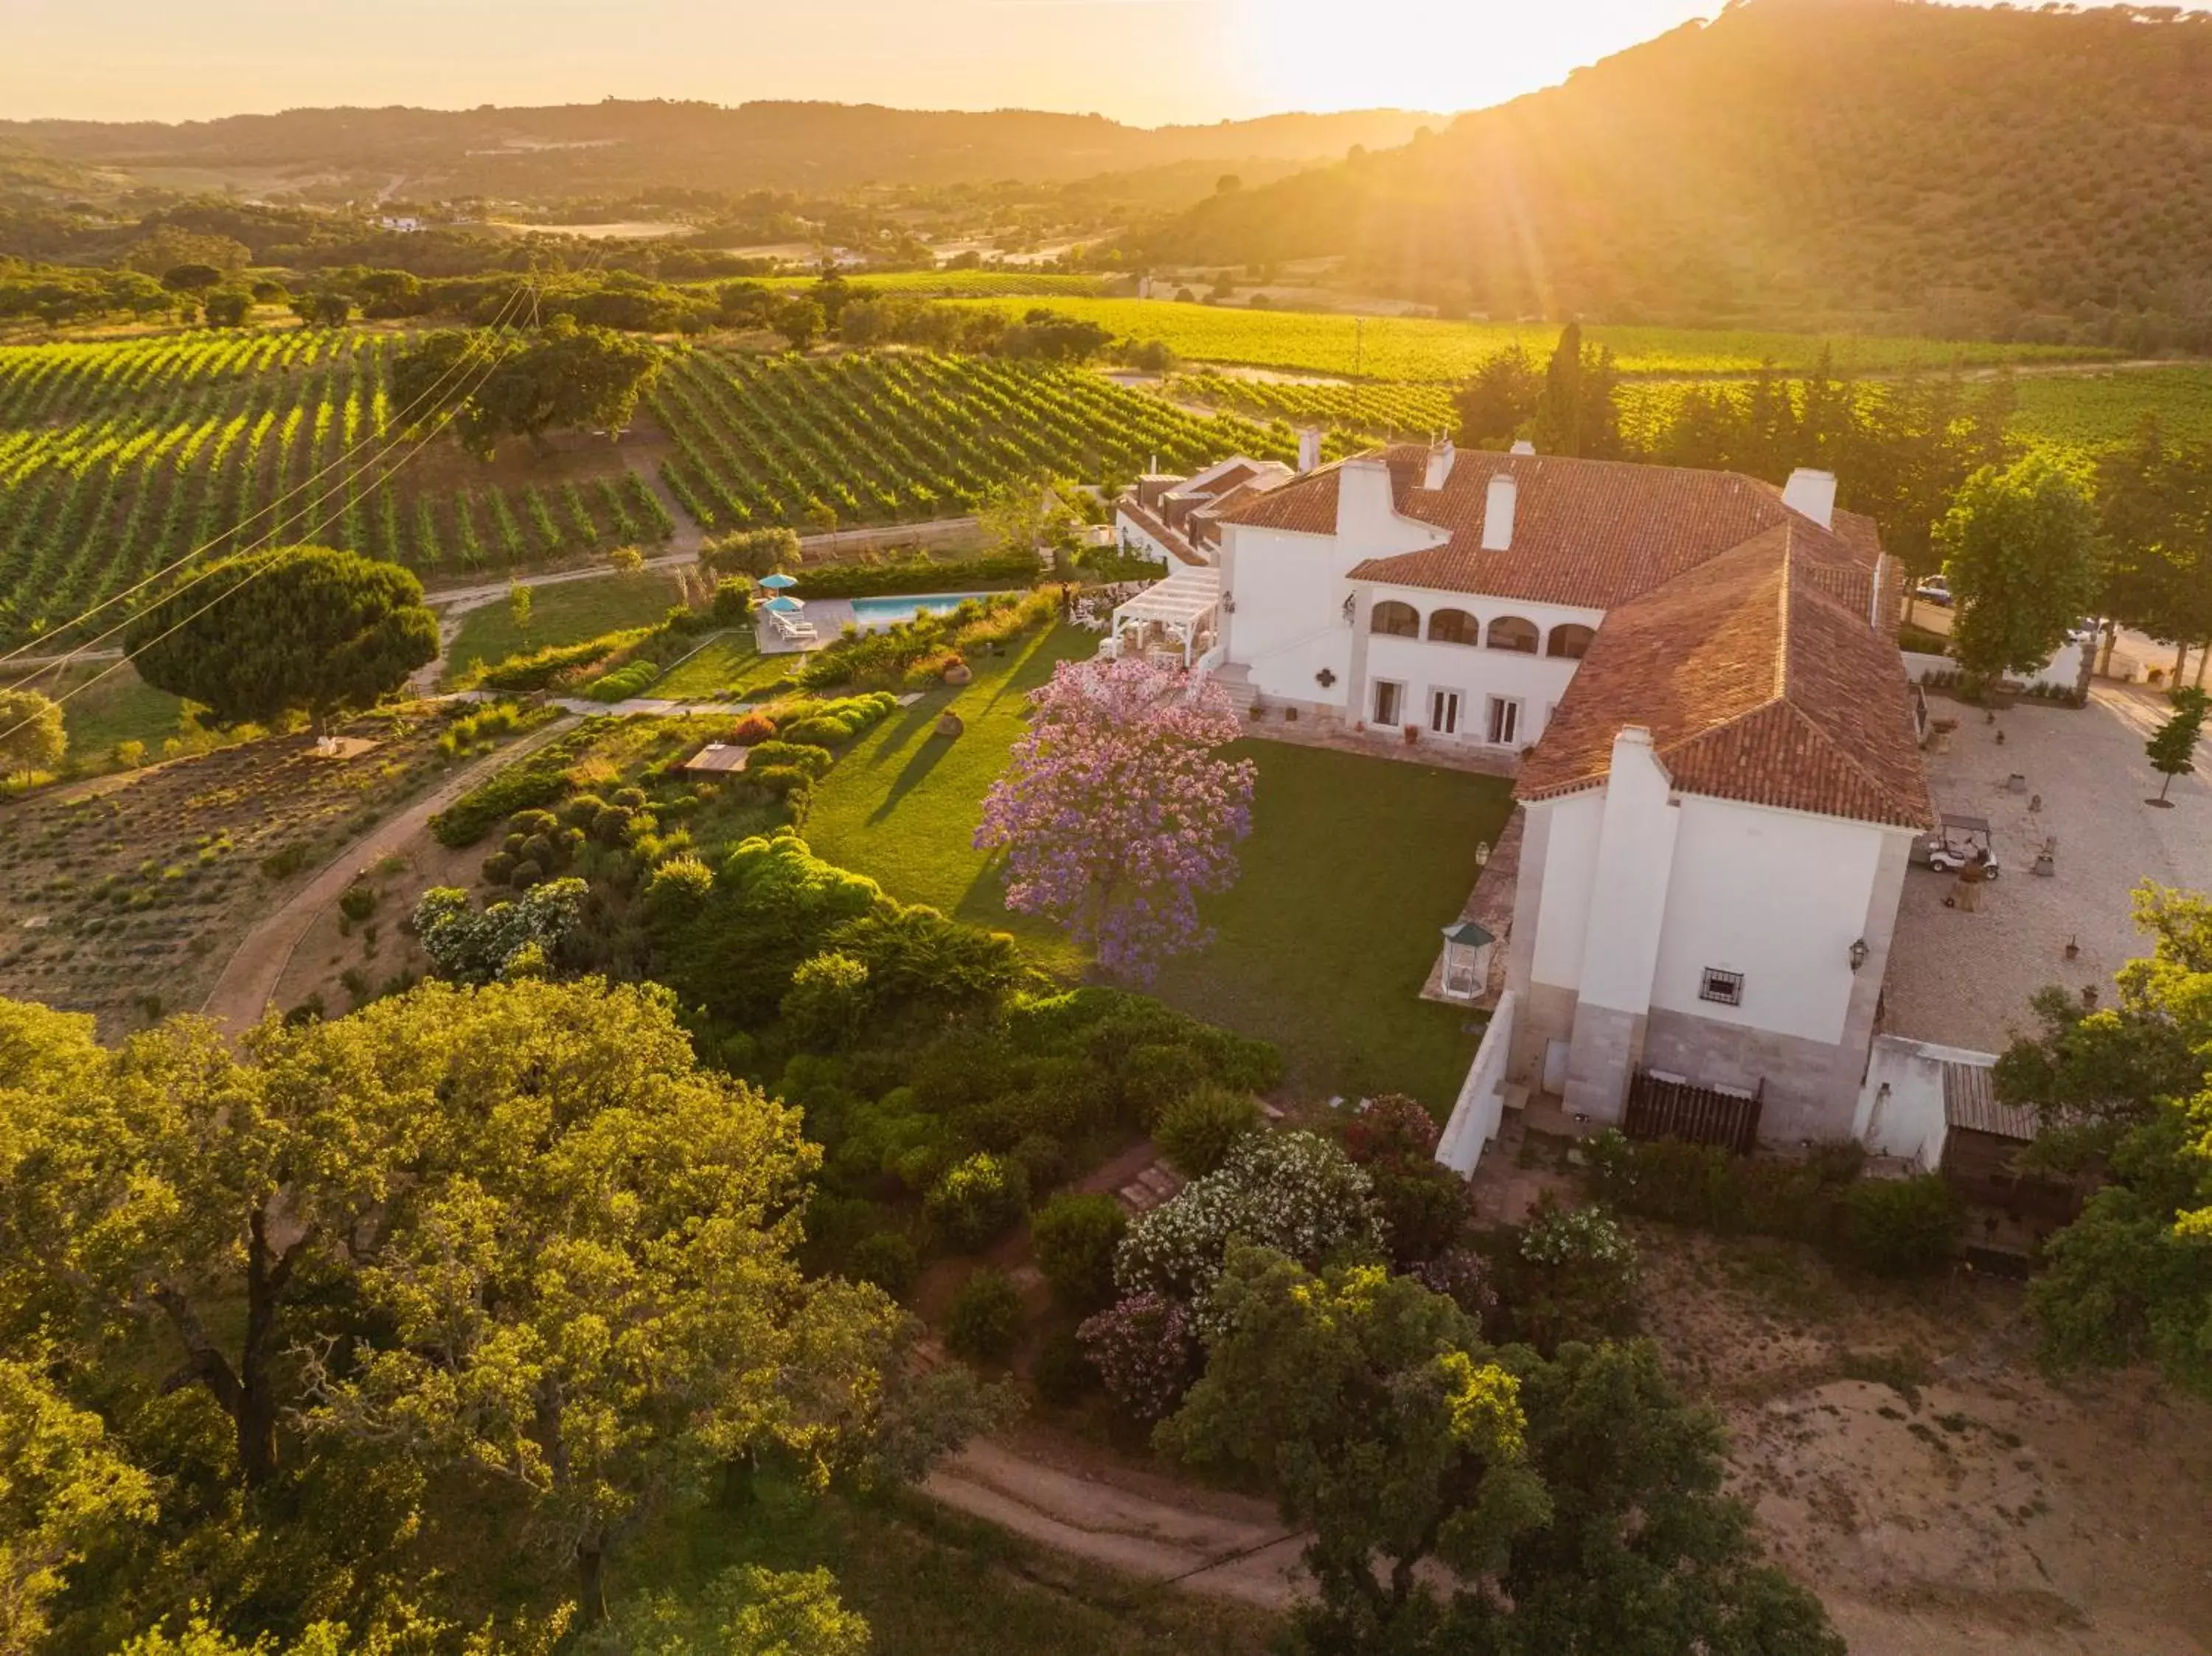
(1145, 1351)
(1116, 815)
(1463, 1276)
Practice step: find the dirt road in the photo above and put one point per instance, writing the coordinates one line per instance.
(1240, 1551)
(249, 980)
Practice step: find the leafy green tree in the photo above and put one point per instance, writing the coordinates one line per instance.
(322, 307)
(1385, 1427)
(2154, 508)
(2173, 745)
(1577, 411)
(191, 278)
(1497, 398)
(65, 1487)
(520, 604)
(496, 385)
(748, 1611)
(2020, 547)
(800, 319)
(1074, 1236)
(294, 629)
(1464, 1502)
(33, 737)
(226, 308)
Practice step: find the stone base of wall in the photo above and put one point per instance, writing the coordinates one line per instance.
(1606, 1048)
(1547, 1014)
(1810, 1088)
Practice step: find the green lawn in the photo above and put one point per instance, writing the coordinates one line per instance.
(726, 664)
(1353, 866)
(567, 613)
(121, 706)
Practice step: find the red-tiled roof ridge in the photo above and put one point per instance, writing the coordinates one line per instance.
(1756, 684)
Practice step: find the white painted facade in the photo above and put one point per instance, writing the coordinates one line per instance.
(1299, 615)
(1632, 894)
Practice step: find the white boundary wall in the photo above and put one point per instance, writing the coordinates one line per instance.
(1481, 1104)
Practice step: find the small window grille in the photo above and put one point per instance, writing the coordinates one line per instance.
(1726, 987)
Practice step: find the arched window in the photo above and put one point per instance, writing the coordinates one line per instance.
(1571, 640)
(1398, 620)
(1455, 627)
(1511, 632)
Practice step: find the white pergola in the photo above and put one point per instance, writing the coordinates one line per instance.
(1185, 609)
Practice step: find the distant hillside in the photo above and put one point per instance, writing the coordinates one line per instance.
(1950, 169)
(610, 147)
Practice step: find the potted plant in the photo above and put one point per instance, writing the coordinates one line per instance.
(1413, 734)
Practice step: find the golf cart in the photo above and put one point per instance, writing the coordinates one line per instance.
(1953, 845)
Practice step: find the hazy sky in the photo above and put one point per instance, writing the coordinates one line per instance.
(1148, 61)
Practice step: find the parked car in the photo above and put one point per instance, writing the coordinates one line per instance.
(1935, 590)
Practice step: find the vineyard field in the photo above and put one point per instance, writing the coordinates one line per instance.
(1371, 409)
(1430, 352)
(119, 458)
(891, 436)
(2084, 412)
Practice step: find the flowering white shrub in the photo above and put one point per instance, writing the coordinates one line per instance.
(515, 939)
(1564, 1236)
(1294, 1193)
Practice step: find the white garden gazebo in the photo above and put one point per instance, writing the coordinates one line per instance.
(1180, 614)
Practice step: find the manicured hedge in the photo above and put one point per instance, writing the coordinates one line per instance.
(538, 779)
(541, 667)
(871, 580)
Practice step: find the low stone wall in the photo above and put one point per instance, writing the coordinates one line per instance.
(1481, 1103)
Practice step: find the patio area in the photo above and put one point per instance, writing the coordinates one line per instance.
(1964, 980)
(1174, 621)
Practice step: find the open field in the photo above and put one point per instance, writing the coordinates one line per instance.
(567, 613)
(1322, 945)
(876, 437)
(119, 458)
(123, 898)
(1428, 351)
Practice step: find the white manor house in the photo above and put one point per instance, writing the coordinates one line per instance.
(1694, 679)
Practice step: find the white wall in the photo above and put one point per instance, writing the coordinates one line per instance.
(2062, 672)
(1481, 1104)
(1900, 1110)
(1628, 905)
(1779, 896)
(1477, 671)
(1571, 827)
(1288, 623)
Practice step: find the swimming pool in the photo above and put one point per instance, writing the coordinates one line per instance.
(872, 615)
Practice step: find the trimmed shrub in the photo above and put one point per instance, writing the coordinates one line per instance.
(887, 1259)
(978, 1201)
(985, 1318)
(1903, 1227)
(753, 730)
(1156, 1076)
(357, 902)
(1198, 1130)
(798, 755)
(539, 668)
(827, 999)
(1390, 1128)
(1074, 1238)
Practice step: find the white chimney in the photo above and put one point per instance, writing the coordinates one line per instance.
(1308, 449)
(1366, 503)
(1812, 494)
(1440, 464)
(1497, 512)
(1524, 447)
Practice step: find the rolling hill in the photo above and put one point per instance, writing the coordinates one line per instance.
(1871, 163)
(587, 148)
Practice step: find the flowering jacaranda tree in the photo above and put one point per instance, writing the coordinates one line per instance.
(1117, 812)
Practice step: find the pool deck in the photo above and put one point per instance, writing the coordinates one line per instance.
(830, 617)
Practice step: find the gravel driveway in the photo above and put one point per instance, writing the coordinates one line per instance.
(1964, 980)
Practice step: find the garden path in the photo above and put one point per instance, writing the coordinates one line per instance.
(1227, 1547)
(249, 980)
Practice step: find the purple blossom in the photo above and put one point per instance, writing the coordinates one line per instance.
(1145, 1351)
(1115, 814)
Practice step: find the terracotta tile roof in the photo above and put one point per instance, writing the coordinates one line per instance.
(1756, 683)
(1590, 533)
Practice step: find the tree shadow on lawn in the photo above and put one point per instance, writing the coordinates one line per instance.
(919, 764)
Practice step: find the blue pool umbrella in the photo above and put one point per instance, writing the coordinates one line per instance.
(777, 582)
(782, 605)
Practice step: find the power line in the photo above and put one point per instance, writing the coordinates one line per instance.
(229, 592)
(399, 423)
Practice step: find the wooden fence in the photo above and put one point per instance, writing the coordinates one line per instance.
(1659, 1108)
